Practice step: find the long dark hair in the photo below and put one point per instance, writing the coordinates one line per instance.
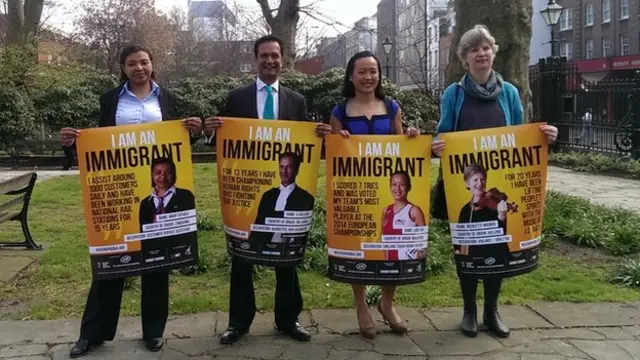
(348, 89)
(125, 54)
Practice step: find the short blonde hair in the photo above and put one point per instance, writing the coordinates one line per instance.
(473, 38)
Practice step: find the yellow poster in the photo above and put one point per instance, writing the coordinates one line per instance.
(378, 208)
(137, 189)
(267, 176)
(495, 184)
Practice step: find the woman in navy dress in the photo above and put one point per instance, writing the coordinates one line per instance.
(367, 111)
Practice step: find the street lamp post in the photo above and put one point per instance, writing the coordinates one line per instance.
(386, 46)
(551, 15)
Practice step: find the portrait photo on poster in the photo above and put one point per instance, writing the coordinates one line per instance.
(495, 185)
(284, 212)
(169, 213)
(140, 214)
(267, 174)
(401, 218)
(378, 208)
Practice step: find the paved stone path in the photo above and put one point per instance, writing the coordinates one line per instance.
(549, 331)
(42, 174)
(605, 190)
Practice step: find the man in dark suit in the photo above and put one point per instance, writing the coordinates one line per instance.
(264, 99)
(287, 197)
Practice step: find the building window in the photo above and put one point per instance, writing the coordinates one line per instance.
(624, 9)
(624, 44)
(606, 11)
(566, 50)
(588, 15)
(606, 47)
(588, 46)
(566, 20)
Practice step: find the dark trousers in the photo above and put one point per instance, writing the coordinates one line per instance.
(242, 302)
(100, 318)
(70, 156)
(469, 287)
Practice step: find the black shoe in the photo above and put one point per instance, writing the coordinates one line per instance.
(83, 347)
(469, 324)
(154, 344)
(491, 317)
(297, 332)
(493, 322)
(231, 336)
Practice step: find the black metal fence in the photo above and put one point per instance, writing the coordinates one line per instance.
(592, 114)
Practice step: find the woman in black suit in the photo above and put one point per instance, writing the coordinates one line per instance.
(138, 99)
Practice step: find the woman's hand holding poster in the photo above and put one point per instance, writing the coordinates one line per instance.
(495, 184)
(267, 176)
(378, 208)
(137, 187)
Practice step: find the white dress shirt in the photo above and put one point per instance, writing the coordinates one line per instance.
(167, 197)
(261, 97)
(281, 203)
(132, 110)
(285, 191)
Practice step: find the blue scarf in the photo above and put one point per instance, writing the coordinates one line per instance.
(490, 91)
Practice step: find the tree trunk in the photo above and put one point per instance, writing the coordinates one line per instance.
(284, 25)
(15, 12)
(24, 20)
(32, 15)
(509, 21)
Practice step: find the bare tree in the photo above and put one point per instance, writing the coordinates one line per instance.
(283, 24)
(510, 23)
(24, 20)
(110, 25)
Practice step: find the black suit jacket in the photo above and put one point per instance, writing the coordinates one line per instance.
(298, 200)
(183, 199)
(242, 102)
(109, 105)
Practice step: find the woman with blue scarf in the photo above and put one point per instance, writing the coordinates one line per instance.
(480, 100)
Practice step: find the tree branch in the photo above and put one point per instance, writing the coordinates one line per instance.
(266, 11)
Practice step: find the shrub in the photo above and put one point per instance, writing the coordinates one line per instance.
(597, 163)
(576, 220)
(627, 273)
(69, 96)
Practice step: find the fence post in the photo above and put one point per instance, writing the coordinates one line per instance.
(635, 100)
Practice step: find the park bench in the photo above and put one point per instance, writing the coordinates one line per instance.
(15, 195)
(34, 152)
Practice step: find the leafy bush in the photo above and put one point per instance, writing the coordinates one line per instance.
(597, 163)
(69, 96)
(628, 273)
(578, 221)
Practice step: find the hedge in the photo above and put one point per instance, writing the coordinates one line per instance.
(59, 96)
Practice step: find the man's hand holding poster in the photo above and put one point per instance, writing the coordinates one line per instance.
(495, 184)
(267, 176)
(137, 186)
(378, 208)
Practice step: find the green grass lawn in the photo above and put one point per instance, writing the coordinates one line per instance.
(57, 286)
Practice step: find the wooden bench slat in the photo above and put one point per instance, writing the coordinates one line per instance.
(11, 203)
(16, 183)
(8, 215)
(19, 185)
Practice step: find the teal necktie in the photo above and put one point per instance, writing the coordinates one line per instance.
(268, 113)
